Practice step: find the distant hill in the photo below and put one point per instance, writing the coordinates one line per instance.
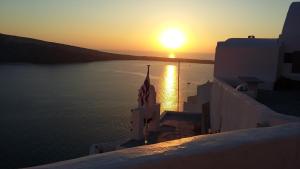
(14, 49)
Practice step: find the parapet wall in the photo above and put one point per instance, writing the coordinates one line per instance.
(233, 110)
(260, 148)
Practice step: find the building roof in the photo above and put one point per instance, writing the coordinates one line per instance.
(249, 42)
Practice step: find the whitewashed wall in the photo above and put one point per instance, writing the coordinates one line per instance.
(291, 30)
(290, 39)
(247, 57)
(233, 110)
(194, 103)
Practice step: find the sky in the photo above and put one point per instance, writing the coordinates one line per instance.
(135, 25)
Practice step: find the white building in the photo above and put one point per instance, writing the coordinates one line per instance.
(269, 60)
(249, 57)
(290, 40)
(195, 103)
(290, 36)
(265, 59)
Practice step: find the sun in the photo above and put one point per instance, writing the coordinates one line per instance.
(172, 38)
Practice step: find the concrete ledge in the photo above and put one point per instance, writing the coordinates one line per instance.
(259, 148)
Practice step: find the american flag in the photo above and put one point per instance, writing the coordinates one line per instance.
(144, 90)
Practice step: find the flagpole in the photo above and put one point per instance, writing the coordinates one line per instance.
(148, 66)
(146, 134)
(178, 78)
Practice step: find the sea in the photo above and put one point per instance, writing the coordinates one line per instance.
(50, 113)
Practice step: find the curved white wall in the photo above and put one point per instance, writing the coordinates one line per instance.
(291, 30)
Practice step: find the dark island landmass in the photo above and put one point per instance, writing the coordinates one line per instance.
(14, 49)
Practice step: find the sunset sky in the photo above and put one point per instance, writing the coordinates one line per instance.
(136, 25)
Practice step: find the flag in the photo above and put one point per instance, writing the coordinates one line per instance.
(144, 91)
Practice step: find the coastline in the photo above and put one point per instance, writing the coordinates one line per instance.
(122, 58)
(15, 49)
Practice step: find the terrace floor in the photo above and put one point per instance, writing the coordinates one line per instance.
(285, 102)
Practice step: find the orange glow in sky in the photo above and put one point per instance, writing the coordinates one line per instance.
(172, 55)
(135, 25)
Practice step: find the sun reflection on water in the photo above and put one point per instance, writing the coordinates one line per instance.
(168, 89)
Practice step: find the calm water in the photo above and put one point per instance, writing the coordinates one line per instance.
(52, 113)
